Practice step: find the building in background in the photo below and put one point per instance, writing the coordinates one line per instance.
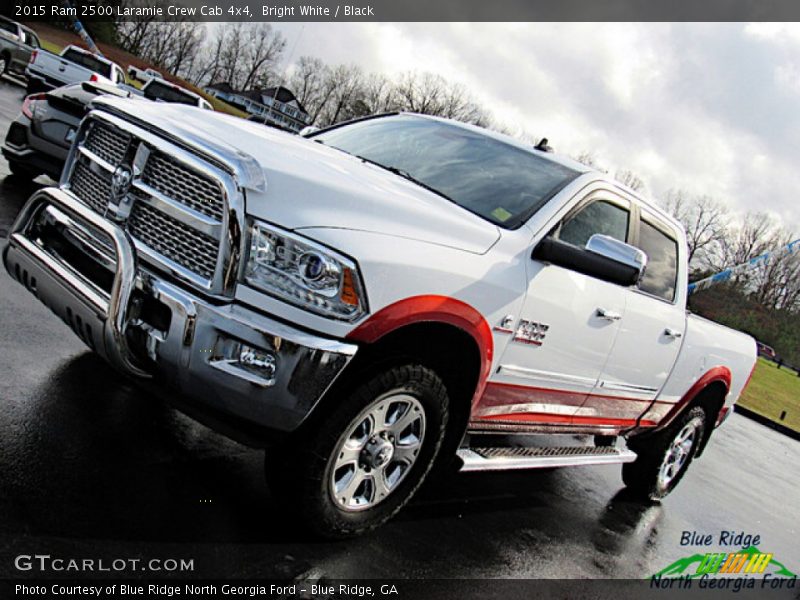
(276, 106)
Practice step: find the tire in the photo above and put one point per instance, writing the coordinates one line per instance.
(664, 457)
(360, 463)
(3, 65)
(22, 172)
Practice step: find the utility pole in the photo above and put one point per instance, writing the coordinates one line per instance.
(79, 28)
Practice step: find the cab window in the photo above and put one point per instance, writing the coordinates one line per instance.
(661, 273)
(599, 217)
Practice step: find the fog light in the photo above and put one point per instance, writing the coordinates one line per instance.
(256, 365)
(257, 360)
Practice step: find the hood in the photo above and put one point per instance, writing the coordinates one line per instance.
(309, 185)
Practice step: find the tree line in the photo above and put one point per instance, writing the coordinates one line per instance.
(253, 56)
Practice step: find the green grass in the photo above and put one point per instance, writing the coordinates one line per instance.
(772, 391)
(50, 46)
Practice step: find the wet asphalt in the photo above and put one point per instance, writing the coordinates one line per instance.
(91, 465)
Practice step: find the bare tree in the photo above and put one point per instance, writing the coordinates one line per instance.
(134, 35)
(631, 179)
(378, 94)
(264, 47)
(312, 84)
(431, 94)
(755, 234)
(245, 55)
(341, 91)
(208, 65)
(587, 158)
(171, 46)
(704, 219)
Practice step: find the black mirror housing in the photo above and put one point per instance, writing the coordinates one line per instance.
(587, 262)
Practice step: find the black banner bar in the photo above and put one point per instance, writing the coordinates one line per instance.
(407, 10)
(708, 588)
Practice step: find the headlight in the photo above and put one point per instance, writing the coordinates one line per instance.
(301, 272)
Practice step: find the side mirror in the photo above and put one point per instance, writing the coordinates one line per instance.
(603, 257)
(308, 130)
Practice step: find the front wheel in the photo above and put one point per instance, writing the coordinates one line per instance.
(664, 457)
(357, 467)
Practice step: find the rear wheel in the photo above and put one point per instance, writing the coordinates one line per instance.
(360, 464)
(664, 457)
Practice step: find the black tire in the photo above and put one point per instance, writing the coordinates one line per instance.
(644, 477)
(301, 473)
(22, 172)
(4, 64)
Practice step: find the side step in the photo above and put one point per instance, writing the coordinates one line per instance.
(502, 459)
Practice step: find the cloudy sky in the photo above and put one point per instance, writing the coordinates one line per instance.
(710, 108)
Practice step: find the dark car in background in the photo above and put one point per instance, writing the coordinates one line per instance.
(766, 351)
(39, 139)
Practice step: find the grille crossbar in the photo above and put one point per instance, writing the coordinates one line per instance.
(171, 238)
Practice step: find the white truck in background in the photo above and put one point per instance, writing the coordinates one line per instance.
(143, 75)
(379, 296)
(47, 71)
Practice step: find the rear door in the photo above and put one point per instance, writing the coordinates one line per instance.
(651, 332)
(560, 342)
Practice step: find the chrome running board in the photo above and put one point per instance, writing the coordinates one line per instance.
(503, 459)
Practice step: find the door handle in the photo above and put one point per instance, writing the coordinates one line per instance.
(669, 332)
(608, 315)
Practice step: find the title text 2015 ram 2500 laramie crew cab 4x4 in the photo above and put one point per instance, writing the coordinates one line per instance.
(383, 294)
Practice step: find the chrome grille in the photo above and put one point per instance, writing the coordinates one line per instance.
(174, 240)
(164, 199)
(192, 189)
(108, 143)
(90, 187)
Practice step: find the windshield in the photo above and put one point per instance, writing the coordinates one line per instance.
(89, 61)
(493, 179)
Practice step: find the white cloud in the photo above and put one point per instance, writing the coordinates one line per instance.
(711, 108)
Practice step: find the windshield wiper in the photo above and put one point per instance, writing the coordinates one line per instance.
(406, 175)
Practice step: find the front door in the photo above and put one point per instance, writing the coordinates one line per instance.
(569, 322)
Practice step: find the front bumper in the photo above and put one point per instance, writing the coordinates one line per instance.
(189, 347)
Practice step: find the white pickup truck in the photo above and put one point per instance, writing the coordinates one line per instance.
(386, 294)
(47, 71)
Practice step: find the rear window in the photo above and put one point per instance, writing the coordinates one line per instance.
(161, 91)
(29, 38)
(662, 262)
(89, 61)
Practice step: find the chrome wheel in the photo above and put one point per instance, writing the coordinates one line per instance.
(678, 453)
(376, 451)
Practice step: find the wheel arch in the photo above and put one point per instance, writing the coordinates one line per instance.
(442, 333)
(708, 392)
